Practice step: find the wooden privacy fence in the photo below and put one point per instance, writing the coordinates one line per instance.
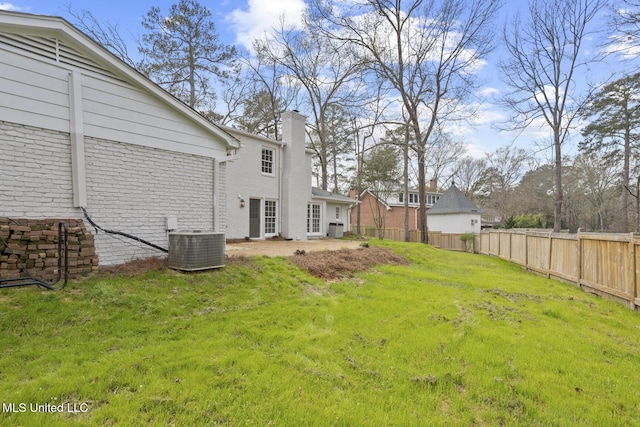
(389, 233)
(438, 239)
(604, 264)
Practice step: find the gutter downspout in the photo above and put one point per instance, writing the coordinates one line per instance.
(279, 211)
(216, 194)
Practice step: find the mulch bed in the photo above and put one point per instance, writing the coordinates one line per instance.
(344, 262)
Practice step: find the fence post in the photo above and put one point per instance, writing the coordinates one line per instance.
(632, 271)
(549, 258)
(579, 267)
(488, 240)
(526, 249)
(635, 273)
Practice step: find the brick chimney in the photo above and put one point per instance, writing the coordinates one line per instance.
(433, 185)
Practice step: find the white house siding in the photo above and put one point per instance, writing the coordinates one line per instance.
(35, 93)
(116, 111)
(343, 217)
(245, 181)
(133, 189)
(35, 173)
(328, 216)
(457, 223)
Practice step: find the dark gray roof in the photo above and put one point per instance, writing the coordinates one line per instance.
(327, 195)
(453, 201)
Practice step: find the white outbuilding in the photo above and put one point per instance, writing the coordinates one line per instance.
(454, 213)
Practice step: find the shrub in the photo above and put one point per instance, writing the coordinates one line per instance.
(469, 240)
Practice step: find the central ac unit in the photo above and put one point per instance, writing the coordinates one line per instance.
(193, 250)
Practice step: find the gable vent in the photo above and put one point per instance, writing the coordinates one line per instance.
(52, 50)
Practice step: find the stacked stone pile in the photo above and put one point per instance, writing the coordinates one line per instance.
(33, 244)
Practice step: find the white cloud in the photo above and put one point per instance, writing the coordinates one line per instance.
(486, 114)
(476, 151)
(261, 16)
(488, 91)
(10, 7)
(627, 47)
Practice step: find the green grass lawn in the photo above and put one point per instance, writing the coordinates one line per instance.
(451, 339)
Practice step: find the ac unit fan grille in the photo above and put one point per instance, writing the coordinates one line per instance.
(190, 251)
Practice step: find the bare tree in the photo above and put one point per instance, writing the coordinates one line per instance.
(505, 168)
(597, 180)
(426, 52)
(364, 126)
(107, 34)
(626, 24)
(444, 152)
(328, 72)
(544, 58)
(468, 175)
(266, 91)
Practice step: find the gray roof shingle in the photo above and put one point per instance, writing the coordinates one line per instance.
(338, 198)
(453, 201)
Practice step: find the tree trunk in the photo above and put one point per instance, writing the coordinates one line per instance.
(625, 176)
(638, 205)
(335, 170)
(359, 161)
(405, 184)
(557, 212)
(424, 232)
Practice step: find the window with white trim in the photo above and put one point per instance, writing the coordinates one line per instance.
(313, 218)
(267, 161)
(414, 198)
(270, 214)
(338, 216)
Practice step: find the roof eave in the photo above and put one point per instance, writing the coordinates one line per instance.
(55, 26)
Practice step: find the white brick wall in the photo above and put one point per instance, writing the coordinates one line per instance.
(35, 173)
(296, 177)
(129, 188)
(133, 189)
(245, 179)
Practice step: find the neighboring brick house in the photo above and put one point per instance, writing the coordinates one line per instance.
(390, 210)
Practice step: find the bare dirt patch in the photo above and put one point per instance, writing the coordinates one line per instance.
(344, 262)
(135, 267)
(279, 247)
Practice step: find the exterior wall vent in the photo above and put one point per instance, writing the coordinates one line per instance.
(193, 250)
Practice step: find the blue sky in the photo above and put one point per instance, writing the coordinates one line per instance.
(236, 21)
(239, 22)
